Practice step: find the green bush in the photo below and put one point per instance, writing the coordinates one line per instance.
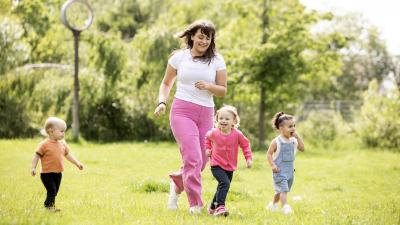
(14, 121)
(107, 120)
(27, 99)
(15, 97)
(322, 127)
(378, 124)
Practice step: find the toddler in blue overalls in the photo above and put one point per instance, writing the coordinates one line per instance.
(281, 154)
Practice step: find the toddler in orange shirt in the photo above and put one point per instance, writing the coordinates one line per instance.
(51, 152)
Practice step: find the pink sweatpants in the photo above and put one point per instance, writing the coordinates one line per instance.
(189, 124)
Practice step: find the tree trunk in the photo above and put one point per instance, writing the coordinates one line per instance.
(261, 117)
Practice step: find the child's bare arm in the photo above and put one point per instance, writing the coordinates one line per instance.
(270, 152)
(300, 143)
(208, 144)
(72, 159)
(35, 161)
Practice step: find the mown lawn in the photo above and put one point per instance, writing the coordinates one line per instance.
(127, 183)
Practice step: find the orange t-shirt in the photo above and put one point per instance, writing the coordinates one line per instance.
(51, 154)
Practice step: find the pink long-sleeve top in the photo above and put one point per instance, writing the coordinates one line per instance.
(224, 148)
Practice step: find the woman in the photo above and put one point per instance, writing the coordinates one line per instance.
(201, 74)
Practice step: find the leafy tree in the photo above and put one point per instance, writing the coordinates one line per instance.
(396, 70)
(35, 20)
(365, 57)
(109, 58)
(130, 16)
(277, 64)
(14, 51)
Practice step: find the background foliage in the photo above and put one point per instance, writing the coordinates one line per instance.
(278, 57)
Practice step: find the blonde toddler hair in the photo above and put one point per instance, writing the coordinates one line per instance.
(51, 122)
(230, 109)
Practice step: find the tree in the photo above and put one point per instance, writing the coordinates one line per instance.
(365, 56)
(396, 70)
(14, 51)
(278, 61)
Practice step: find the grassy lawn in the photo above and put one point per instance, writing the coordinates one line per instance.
(127, 183)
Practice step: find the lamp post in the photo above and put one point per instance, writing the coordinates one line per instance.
(76, 15)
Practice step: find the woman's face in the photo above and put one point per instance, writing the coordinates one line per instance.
(201, 42)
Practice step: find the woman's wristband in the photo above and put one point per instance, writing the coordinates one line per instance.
(162, 103)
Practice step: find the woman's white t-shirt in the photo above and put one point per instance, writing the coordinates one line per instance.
(190, 71)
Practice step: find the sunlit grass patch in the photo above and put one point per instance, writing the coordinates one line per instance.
(128, 183)
(148, 186)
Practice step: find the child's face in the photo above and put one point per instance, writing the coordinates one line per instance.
(57, 132)
(287, 128)
(225, 120)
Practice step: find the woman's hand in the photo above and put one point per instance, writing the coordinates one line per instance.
(160, 110)
(202, 85)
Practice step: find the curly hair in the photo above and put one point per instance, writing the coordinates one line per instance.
(230, 109)
(278, 119)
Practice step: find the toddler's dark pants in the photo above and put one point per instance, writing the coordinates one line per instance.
(51, 182)
(224, 178)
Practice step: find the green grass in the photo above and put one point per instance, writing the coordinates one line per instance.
(127, 183)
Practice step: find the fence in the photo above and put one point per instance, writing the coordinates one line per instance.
(345, 108)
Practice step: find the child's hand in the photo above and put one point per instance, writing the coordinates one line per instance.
(275, 169)
(79, 165)
(208, 152)
(33, 171)
(249, 163)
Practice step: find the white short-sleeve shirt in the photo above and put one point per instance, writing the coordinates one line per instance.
(190, 71)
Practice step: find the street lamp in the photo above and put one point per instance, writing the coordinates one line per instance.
(76, 15)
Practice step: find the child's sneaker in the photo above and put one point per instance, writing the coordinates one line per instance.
(286, 209)
(273, 207)
(195, 210)
(221, 211)
(173, 197)
(210, 211)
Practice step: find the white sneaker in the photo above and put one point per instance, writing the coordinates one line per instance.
(286, 209)
(173, 197)
(195, 210)
(273, 207)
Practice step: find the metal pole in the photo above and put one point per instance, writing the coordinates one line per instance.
(75, 106)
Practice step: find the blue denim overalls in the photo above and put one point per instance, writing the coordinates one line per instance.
(285, 162)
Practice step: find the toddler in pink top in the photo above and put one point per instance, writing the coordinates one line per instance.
(222, 144)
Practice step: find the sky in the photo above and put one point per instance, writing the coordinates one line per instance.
(382, 13)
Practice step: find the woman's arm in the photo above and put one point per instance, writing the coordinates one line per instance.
(217, 89)
(165, 88)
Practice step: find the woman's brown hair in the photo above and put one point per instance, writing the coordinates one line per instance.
(206, 27)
